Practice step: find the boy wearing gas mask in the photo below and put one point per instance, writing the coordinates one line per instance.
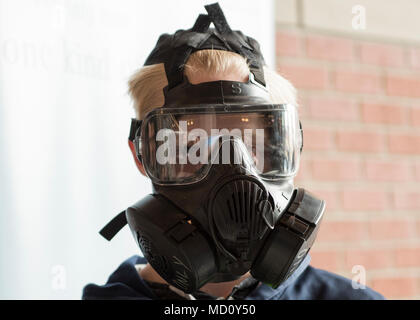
(219, 136)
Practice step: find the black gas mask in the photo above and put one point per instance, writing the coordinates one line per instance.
(222, 158)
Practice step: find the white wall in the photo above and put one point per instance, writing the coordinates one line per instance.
(396, 21)
(65, 168)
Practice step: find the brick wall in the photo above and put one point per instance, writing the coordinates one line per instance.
(360, 109)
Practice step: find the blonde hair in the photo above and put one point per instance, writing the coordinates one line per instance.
(146, 84)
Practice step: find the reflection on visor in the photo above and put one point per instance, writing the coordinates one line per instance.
(180, 145)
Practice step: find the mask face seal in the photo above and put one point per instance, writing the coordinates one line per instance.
(221, 158)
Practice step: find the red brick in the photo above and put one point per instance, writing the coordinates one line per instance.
(378, 170)
(317, 139)
(391, 229)
(407, 257)
(403, 86)
(303, 112)
(399, 287)
(330, 198)
(380, 54)
(386, 114)
(288, 44)
(305, 76)
(304, 171)
(332, 109)
(364, 200)
(360, 141)
(302, 107)
(327, 260)
(351, 81)
(342, 231)
(336, 170)
(417, 169)
(405, 200)
(415, 117)
(370, 259)
(414, 57)
(329, 48)
(404, 143)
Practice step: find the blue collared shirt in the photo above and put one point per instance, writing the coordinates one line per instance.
(306, 283)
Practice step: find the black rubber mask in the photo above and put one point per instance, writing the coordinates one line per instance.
(213, 220)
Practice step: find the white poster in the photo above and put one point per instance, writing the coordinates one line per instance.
(65, 166)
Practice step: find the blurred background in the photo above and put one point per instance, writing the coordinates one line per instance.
(65, 165)
(357, 67)
(66, 170)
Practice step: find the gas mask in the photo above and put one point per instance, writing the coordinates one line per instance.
(222, 158)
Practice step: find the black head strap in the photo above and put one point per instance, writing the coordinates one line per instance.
(135, 125)
(218, 18)
(202, 23)
(174, 50)
(114, 226)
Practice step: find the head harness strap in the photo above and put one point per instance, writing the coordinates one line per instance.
(216, 15)
(174, 50)
(202, 23)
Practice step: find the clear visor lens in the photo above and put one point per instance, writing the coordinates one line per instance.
(180, 145)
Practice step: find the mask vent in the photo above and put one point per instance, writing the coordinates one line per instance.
(241, 213)
(158, 262)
